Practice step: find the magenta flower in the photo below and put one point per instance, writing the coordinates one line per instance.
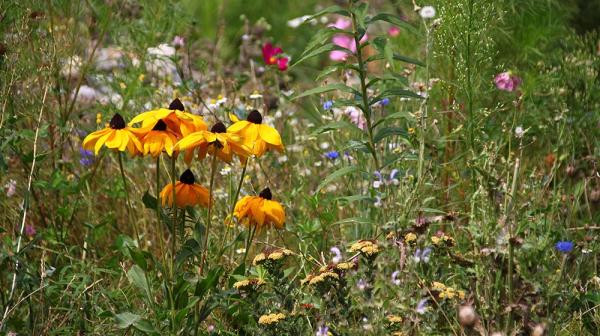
(393, 31)
(30, 230)
(178, 42)
(273, 56)
(507, 81)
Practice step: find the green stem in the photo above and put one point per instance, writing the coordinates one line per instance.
(233, 202)
(249, 241)
(363, 86)
(174, 208)
(209, 211)
(133, 222)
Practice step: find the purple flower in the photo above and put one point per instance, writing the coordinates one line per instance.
(422, 255)
(87, 157)
(337, 254)
(178, 41)
(30, 230)
(564, 246)
(332, 155)
(395, 279)
(323, 331)
(384, 102)
(362, 284)
(328, 105)
(421, 307)
(507, 81)
(10, 188)
(385, 181)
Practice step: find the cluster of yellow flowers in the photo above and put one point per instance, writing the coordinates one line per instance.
(248, 284)
(172, 130)
(315, 279)
(410, 238)
(443, 239)
(271, 255)
(368, 248)
(394, 319)
(446, 292)
(271, 318)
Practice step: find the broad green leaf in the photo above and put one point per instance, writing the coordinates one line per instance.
(145, 326)
(209, 282)
(320, 50)
(125, 320)
(137, 277)
(393, 19)
(389, 131)
(149, 201)
(326, 88)
(361, 146)
(335, 175)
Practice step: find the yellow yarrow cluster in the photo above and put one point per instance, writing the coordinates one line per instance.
(273, 255)
(443, 239)
(366, 247)
(247, 284)
(410, 238)
(446, 292)
(393, 319)
(319, 278)
(271, 318)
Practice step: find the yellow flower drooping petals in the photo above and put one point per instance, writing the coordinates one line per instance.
(116, 136)
(187, 192)
(217, 142)
(159, 139)
(260, 211)
(256, 135)
(177, 121)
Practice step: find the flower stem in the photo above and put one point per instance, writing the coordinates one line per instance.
(174, 208)
(233, 202)
(133, 222)
(249, 241)
(209, 212)
(161, 237)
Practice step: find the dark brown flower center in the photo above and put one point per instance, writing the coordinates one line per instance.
(255, 117)
(266, 194)
(176, 105)
(117, 122)
(218, 128)
(160, 126)
(187, 177)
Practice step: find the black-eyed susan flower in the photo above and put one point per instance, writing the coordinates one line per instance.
(217, 142)
(270, 319)
(187, 192)
(256, 135)
(116, 136)
(260, 211)
(158, 139)
(177, 121)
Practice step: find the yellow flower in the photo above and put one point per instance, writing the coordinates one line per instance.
(260, 211)
(178, 121)
(344, 266)
(259, 258)
(216, 141)
(248, 284)
(116, 136)
(438, 286)
(159, 138)
(394, 319)
(366, 247)
(187, 193)
(410, 238)
(271, 318)
(322, 277)
(256, 136)
(272, 254)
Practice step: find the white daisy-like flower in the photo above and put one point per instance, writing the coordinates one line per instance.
(427, 12)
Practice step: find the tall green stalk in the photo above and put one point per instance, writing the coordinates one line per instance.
(209, 211)
(129, 214)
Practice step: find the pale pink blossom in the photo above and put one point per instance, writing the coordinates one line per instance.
(507, 81)
(343, 40)
(393, 31)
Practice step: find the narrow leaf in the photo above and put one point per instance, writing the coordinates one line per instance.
(335, 175)
(326, 88)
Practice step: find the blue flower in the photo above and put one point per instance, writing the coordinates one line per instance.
(87, 157)
(328, 105)
(384, 102)
(332, 155)
(564, 246)
(323, 331)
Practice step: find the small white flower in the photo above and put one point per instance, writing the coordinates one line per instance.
(519, 132)
(11, 188)
(282, 159)
(296, 22)
(324, 145)
(255, 95)
(427, 12)
(226, 170)
(240, 251)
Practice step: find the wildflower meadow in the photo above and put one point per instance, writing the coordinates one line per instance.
(317, 167)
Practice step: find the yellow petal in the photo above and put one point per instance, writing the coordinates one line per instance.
(270, 135)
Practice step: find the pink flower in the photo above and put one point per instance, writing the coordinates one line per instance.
(341, 23)
(344, 41)
(393, 31)
(272, 56)
(356, 117)
(30, 230)
(507, 81)
(178, 42)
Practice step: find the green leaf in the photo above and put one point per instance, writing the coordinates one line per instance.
(395, 92)
(335, 175)
(389, 131)
(357, 220)
(395, 115)
(326, 88)
(125, 320)
(407, 59)
(361, 146)
(209, 282)
(137, 277)
(354, 198)
(138, 257)
(320, 50)
(329, 10)
(149, 201)
(393, 19)
(145, 326)
(332, 127)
